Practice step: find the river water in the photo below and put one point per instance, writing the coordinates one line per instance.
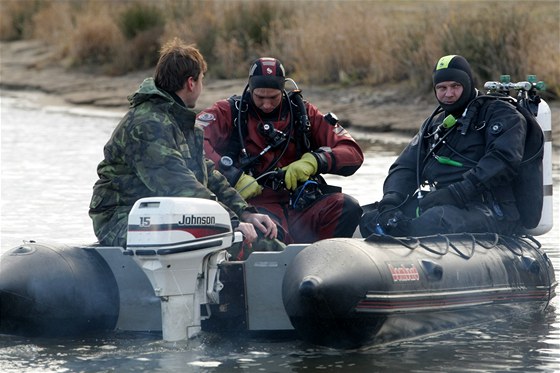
(49, 157)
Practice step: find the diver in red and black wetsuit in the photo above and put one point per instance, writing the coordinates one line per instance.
(273, 146)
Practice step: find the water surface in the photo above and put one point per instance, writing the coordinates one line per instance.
(49, 158)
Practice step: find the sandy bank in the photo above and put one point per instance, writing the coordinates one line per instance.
(29, 66)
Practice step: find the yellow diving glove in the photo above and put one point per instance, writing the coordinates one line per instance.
(248, 186)
(300, 171)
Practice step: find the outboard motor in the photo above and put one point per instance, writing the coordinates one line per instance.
(178, 243)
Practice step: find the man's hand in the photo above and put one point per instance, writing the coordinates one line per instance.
(248, 231)
(300, 170)
(438, 197)
(248, 187)
(261, 222)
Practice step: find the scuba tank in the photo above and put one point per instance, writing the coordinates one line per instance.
(544, 119)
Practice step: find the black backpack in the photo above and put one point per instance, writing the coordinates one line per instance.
(528, 184)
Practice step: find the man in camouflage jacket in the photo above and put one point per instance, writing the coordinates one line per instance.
(156, 150)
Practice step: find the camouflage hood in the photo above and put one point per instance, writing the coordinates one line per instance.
(146, 91)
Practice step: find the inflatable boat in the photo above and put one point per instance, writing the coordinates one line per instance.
(175, 277)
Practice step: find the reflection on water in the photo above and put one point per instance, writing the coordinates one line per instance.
(49, 159)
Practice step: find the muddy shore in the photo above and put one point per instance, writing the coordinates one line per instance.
(28, 66)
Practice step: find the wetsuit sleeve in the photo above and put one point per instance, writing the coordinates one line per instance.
(333, 147)
(402, 173)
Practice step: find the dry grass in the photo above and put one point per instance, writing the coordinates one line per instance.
(319, 41)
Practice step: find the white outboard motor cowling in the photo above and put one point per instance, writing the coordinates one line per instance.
(172, 240)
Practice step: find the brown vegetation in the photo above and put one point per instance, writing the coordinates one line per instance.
(342, 42)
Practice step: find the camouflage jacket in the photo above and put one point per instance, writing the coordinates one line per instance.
(156, 150)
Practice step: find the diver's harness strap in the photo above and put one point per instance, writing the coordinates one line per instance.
(236, 148)
(298, 132)
(477, 106)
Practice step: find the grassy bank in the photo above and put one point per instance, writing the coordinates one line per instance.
(329, 41)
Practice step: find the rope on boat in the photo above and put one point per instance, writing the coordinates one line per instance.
(427, 248)
(494, 244)
(485, 240)
(526, 241)
(461, 254)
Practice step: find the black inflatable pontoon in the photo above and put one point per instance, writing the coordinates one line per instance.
(342, 293)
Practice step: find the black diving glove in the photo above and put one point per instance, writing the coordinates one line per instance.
(384, 214)
(389, 209)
